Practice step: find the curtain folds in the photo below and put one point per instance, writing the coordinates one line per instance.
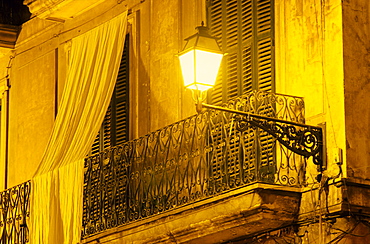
(56, 207)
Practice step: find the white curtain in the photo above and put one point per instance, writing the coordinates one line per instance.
(56, 205)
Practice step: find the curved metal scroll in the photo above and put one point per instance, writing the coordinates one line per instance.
(304, 140)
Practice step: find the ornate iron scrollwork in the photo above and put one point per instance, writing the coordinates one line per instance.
(14, 213)
(304, 140)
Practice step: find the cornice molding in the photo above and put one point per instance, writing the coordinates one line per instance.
(8, 35)
(59, 10)
(43, 8)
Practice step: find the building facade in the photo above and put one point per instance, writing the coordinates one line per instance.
(153, 170)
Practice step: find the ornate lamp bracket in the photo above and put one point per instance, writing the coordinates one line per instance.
(302, 139)
(305, 140)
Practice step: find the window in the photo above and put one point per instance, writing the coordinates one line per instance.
(245, 32)
(114, 129)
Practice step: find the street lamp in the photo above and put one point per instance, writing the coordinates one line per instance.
(200, 61)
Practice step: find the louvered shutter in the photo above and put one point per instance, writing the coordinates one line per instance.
(244, 29)
(265, 82)
(245, 32)
(264, 45)
(121, 94)
(114, 129)
(216, 25)
(246, 55)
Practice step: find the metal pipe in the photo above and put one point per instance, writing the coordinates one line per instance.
(199, 107)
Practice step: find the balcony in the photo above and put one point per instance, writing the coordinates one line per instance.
(198, 180)
(14, 214)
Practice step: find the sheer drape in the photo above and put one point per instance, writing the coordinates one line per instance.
(57, 185)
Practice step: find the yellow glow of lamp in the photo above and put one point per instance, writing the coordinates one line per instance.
(200, 60)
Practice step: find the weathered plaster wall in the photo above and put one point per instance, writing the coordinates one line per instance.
(163, 45)
(309, 63)
(31, 113)
(163, 26)
(5, 58)
(356, 46)
(31, 99)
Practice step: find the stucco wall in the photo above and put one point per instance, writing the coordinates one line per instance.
(31, 113)
(356, 41)
(5, 55)
(162, 26)
(309, 63)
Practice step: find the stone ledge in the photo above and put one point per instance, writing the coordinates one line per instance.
(222, 218)
(356, 196)
(8, 35)
(59, 10)
(344, 197)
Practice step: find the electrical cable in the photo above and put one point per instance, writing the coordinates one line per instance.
(348, 233)
(347, 197)
(341, 236)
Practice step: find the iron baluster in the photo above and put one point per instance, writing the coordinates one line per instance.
(15, 212)
(197, 158)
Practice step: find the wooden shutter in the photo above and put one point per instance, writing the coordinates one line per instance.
(264, 45)
(215, 15)
(245, 32)
(121, 102)
(114, 129)
(246, 49)
(264, 62)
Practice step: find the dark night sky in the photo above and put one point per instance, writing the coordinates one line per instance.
(13, 12)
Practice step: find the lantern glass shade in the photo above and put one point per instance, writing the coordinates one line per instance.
(200, 68)
(200, 60)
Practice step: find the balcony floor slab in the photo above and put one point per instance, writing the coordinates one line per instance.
(232, 215)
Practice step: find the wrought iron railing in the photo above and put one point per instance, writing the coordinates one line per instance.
(193, 159)
(14, 214)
